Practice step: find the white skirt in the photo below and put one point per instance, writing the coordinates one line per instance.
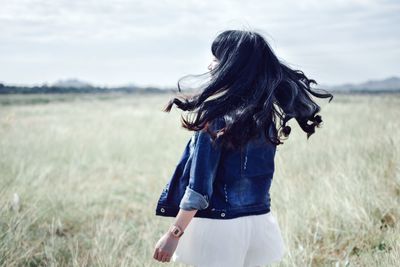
(246, 241)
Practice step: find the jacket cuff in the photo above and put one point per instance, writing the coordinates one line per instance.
(193, 200)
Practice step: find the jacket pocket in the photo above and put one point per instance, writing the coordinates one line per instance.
(257, 159)
(250, 191)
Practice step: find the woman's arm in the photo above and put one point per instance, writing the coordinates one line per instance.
(167, 244)
(183, 218)
(206, 157)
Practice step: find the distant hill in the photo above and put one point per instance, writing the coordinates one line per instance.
(386, 85)
(71, 83)
(77, 86)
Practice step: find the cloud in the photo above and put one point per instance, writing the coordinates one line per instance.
(156, 42)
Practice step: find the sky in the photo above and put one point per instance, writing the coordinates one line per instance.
(154, 43)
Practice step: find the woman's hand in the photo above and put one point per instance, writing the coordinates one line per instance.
(165, 247)
(167, 244)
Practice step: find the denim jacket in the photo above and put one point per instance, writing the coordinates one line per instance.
(220, 183)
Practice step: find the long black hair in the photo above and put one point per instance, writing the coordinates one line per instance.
(252, 90)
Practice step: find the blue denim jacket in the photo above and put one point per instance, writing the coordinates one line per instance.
(220, 183)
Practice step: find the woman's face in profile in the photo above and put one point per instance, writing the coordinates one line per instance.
(213, 64)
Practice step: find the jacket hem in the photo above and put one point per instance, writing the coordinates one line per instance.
(168, 211)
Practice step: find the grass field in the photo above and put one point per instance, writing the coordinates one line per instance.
(80, 176)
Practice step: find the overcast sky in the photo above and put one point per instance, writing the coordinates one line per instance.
(154, 43)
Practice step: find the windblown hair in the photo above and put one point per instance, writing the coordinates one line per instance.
(253, 90)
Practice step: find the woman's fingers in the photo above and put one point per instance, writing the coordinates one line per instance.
(161, 256)
(165, 257)
(155, 256)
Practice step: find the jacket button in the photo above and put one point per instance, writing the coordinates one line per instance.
(222, 214)
(162, 210)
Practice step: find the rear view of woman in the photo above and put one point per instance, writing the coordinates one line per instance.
(219, 191)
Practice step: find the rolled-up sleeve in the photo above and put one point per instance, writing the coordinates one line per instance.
(206, 157)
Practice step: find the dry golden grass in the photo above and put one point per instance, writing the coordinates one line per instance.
(80, 177)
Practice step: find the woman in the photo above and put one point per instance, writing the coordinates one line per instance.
(219, 192)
